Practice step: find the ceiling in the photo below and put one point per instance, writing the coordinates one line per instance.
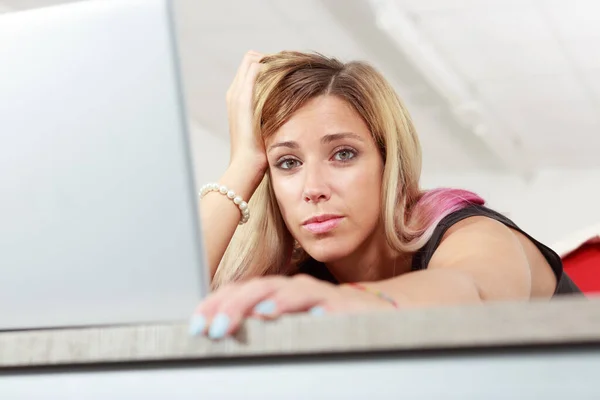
(533, 64)
(526, 71)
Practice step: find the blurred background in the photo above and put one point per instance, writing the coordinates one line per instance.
(505, 94)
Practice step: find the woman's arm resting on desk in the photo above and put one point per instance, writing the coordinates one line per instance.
(478, 260)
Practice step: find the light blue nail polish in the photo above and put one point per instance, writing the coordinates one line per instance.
(265, 307)
(218, 326)
(317, 311)
(197, 325)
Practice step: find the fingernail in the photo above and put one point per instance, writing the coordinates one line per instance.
(265, 307)
(197, 325)
(218, 326)
(318, 311)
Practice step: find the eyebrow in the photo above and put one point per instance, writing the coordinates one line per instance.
(341, 135)
(332, 137)
(289, 144)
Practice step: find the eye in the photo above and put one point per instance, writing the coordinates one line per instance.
(344, 155)
(288, 163)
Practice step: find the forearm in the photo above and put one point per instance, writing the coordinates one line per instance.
(430, 288)
(220, 216)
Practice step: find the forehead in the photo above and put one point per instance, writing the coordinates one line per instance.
(321, 116)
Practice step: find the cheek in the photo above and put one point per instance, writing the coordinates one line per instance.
(361, 191)
(364, 194)
(285, 191)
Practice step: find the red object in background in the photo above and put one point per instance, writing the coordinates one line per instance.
(582, 265)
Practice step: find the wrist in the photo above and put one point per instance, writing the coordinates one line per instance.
(243, 176)
(250, 162)
(374, 293)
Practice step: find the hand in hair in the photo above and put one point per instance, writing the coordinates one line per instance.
(222, 312)
(246, 145)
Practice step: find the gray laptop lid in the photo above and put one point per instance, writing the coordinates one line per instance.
(98, 210)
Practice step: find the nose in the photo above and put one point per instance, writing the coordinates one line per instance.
(316, 188)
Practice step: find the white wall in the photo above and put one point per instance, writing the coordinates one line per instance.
(553, 205)
(210, 154)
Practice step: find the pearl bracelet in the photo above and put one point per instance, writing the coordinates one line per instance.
(237, 200)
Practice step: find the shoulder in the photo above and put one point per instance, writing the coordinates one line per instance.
(478, 228)
(494, 248)
(477, 235)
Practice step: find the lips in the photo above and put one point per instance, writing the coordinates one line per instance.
(322, 223)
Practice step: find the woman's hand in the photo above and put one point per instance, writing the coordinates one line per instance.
(224, 310)
(246, 147)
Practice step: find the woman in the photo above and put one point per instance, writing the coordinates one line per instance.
(336, 222)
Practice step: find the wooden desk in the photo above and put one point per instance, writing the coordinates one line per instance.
(532, 350)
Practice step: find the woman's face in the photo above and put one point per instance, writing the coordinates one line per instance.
(326, 172)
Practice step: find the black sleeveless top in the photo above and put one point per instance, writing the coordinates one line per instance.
(422, 257)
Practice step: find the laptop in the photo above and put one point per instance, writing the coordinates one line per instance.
(99, 216)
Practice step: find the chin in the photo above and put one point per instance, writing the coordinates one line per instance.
(328, 250)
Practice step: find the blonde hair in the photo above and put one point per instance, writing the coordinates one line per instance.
(290, 79)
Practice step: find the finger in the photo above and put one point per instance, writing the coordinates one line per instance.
(301, 296)
(253, 70)
(210, 303)
(205, 311)
(247, 92)
(233, 309)
(250, 68)
(242, 98)
(240, 76)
